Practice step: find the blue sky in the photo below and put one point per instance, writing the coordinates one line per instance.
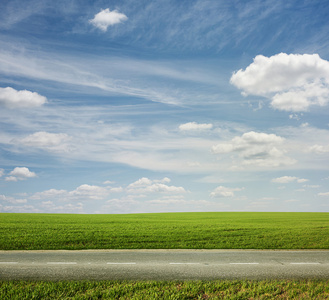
(164, 106)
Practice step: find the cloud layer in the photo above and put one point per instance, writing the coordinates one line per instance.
(293, 82)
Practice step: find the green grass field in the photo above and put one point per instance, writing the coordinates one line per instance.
(165, 231)
(287, 289)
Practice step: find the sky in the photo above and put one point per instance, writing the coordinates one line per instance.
(164, 106)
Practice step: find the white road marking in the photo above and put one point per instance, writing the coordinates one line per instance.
(305, 263)
(244, 263)
(128, 263)
(61, 263)
(8, 262)
(183, 263)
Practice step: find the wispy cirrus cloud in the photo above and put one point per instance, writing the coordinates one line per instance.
(113, 76)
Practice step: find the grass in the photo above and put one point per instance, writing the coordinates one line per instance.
(165, 231)
(274, 289)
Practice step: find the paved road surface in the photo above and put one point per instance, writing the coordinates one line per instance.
(163, 264)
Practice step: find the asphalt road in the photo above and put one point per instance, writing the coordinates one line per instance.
(163, 264)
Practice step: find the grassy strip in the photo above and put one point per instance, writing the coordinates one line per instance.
(165, 231)
(291, 289)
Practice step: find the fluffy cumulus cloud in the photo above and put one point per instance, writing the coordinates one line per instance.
(89, 192)
(145, 185)
(140, 182)
(293, 82)
(142, 188)
(194, 126)
(12, 200)
(49, 141)
(84, 192)
(256, 148)
(222, 191)
(106, 18)
(12, 98)
(289, 179)
(49, 194)
(20, 173)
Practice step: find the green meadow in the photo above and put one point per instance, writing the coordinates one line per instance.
(179, 290)
(216, 230)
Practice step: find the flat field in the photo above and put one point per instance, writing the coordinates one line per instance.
(218, 230)
(244, 289)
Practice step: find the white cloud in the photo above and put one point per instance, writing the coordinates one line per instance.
(319, 149)
(49, 194)
(163, 180)
(11, 178)
(177, 201)
(222, 191)
(288, 179)
(301, 180)
(108, 182)
(2, 172)
(145, 185)
(323, 194)
(293, 82)
(106, 18)
(12, 98)
(101, 194)
(83, 192)
(20, 173)
(50, 141)
(140, 182)
(20, 209)
(255, 148)
(163, 188)
(314, 186)
(116, 189)
(295, 116)
(12, 200)
(194, 126)
(89, 192)
(49, 206)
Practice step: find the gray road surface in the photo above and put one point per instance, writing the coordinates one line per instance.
(163, 264)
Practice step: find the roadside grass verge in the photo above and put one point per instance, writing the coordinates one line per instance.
(218, 230)
(246, 289)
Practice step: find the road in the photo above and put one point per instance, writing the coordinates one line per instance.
(163, 264)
